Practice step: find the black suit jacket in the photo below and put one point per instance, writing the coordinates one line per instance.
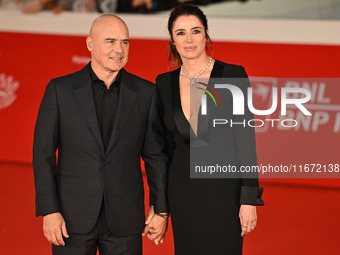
(84, 173)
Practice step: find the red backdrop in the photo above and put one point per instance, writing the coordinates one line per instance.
(29, 61)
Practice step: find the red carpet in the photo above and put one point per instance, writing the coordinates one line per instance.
(296, 219)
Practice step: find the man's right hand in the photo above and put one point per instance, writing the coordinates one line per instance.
(54, 228)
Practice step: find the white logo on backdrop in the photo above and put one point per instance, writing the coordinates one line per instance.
(7, 88)
(79, 60)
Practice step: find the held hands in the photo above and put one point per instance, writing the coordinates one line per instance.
(54, 228)
(156, 227)
(248, 218)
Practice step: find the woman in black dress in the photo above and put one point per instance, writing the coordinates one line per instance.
(209, 216)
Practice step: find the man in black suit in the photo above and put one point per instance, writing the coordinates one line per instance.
(101, 120)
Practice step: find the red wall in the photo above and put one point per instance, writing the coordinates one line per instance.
(33, 59)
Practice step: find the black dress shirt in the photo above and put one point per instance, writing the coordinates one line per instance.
(106, 103)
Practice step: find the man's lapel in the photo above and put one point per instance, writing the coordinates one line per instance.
(82, 90)
(127, 96)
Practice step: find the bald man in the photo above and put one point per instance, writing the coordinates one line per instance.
(101, 120)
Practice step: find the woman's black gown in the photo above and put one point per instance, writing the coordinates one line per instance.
(205, 212)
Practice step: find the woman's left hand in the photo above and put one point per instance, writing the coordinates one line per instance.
(248, 218)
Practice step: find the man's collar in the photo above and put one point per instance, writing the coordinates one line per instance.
(94, 77)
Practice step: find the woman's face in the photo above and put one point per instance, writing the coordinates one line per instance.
(189, 37)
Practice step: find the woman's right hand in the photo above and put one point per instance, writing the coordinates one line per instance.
(150, 215)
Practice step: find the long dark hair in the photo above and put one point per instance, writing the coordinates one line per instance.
(181, 10)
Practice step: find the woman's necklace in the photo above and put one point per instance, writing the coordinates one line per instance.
(192, 80)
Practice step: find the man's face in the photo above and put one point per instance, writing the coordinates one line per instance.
(108, 44)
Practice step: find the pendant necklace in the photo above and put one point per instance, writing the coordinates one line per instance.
(192, 79)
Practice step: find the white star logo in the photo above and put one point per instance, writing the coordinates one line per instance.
(261, 91)
(7, 88)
